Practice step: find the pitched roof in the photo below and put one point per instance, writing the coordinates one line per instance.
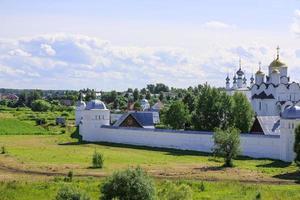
(269, 124)
(145, 119)
(262, 95)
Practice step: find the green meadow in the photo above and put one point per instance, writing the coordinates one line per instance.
(38, 157)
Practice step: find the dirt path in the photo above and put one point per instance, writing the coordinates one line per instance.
(202, 175)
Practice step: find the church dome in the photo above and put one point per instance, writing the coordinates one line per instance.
(277, 63)
(292, 112)
(259, 72)
(275, 71)
(95, 104)
(240, 72)
(80, 105)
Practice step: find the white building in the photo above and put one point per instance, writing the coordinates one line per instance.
(239, 83)
(273, 93)
(94, 113)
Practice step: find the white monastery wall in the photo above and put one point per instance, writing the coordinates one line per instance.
(256, 146)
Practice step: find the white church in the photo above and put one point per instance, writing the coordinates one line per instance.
(274, 99)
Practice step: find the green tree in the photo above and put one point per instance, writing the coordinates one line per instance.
(131, 184)
(40, 105)
(148, 95)
(227, 144)
(161, 96)
(213, 109)
(135, 94)
(189, 100)
(98, 160)
(151, 88)
(297, 145)
(177, 115)
(242, 112)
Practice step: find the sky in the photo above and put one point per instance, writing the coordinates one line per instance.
(117, 44)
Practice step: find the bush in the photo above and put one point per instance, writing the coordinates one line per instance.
(170, 191)
(297, 145)
(70, 193)
(40, 121)
(40, 105)
(69, 177)
(227, 144)
(131, 184)
(3, 150)
(202, 187)
(98, 160)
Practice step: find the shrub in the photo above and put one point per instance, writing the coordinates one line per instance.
(69, 177)
(170, 191)
(70, 193)
(65, 114)
(40, 105)
(297, 145)
(131, 184)
(202, 187)
(40, 121)
(227, 144)
(98, 160)
(258, 196)
(3, 150)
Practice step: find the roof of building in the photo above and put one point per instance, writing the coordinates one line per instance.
(144, 119)
(270, 124)
(262, 95)
(292, 112)
(95, 104)
(277, 63)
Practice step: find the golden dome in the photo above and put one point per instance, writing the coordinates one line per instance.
(275, 71)
(277, 63)
(259, 72)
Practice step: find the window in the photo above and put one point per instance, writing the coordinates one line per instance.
(259, 105)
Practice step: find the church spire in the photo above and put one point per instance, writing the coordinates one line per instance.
(240, 63)
(278, 49)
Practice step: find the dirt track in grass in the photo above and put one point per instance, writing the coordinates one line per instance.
(179, 172)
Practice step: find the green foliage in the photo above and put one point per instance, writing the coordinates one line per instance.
(40, 105)
(70, 193)
(131, 184)
(213, 109)
(40, 121)
(3, 150)
(202, 187)
(170, 191)
(137, 106)
(98, 160)
(177, 115)
(227, 144)
(135, 94)
(189, 100)
(297, 145)
(69, 177)
(258, 196)
(242, 112)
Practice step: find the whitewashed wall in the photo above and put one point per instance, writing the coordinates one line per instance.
(256, 146)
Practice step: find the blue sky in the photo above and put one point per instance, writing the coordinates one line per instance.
(118, 44)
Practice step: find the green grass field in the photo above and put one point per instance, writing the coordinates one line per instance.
(16, 190)
(30, 168)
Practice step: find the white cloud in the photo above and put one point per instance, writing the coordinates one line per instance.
(75, 61)
(217, 25)
(48, 49)
(295, 27)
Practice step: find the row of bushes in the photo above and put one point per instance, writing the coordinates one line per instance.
(131, 184)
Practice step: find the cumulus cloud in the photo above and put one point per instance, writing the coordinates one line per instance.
(217, 25)
(48, 49)
(75, 61)
(295, 27)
